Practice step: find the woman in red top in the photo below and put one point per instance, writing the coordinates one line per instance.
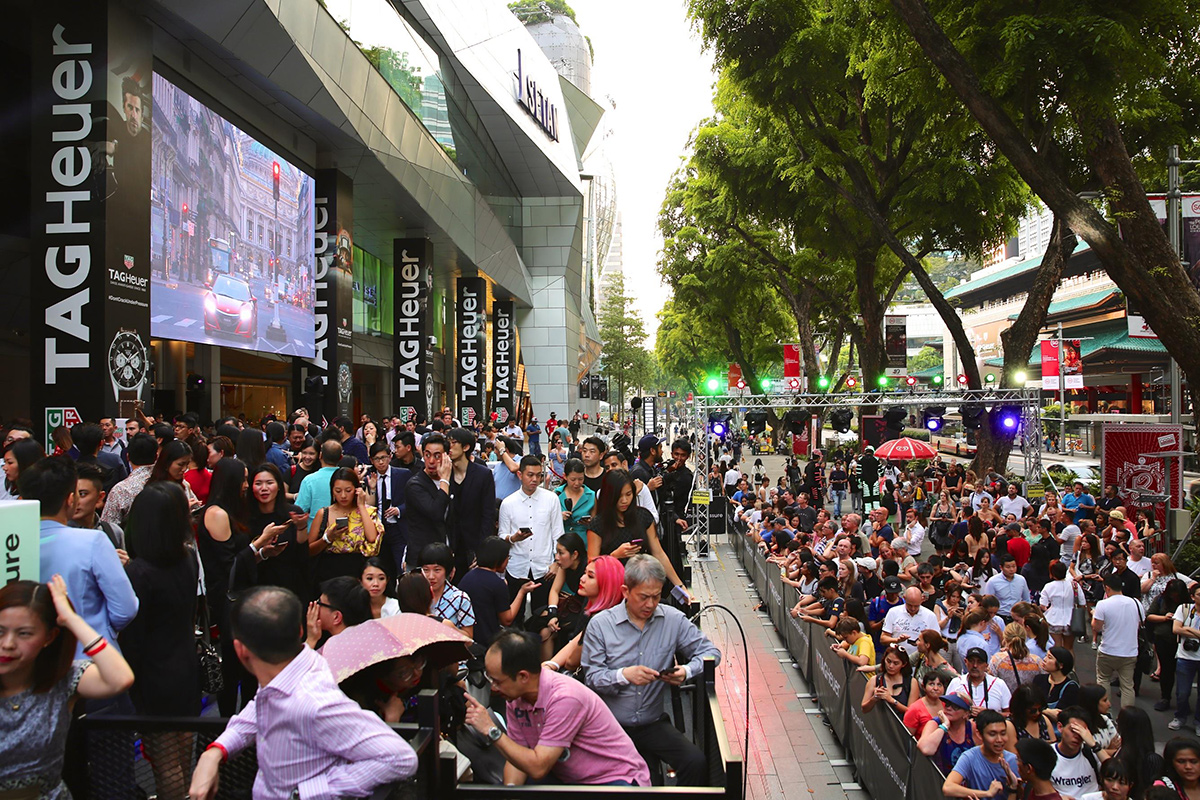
(199, 477)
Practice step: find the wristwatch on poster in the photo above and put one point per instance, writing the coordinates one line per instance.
(345, 383)
(127, 367)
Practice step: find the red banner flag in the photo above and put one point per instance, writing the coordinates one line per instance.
(791, 361)
(1050, 365)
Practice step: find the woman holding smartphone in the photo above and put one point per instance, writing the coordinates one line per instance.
(286, 562)
(343, 535)
(577, 501)
(622, 529)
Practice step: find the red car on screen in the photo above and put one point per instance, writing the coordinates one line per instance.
(230, 307)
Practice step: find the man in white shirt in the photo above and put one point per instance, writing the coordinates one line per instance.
(984, 690)
(1013, 503)
(1118, 618)
(913, 536)
(1137, 558)
(732, 476)
(977, 498)
(903, 624)
(531, 520)
(514, 431)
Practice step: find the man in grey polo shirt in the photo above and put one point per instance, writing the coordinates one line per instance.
(629, 653)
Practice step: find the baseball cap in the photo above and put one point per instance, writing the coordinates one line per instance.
(648, 443)
(1117, 514)
(866, 562)
(957, 699)
(779, 521)
(976, 652)
(891, 584)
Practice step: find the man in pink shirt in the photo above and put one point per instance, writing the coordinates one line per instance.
(555, 723)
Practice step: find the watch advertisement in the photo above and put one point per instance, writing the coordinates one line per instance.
(90, 208)
(413, 354)
(470, 349)
(333, 220)
(504, 356)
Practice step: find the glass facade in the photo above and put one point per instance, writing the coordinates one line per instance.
(372, 295)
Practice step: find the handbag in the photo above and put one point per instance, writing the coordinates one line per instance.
(212, 681)
(1145, 656)
(1079, 615)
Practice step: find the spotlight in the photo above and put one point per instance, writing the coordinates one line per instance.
(766, 384)
(971, 415)
(741, 384)
(756, 422)
(713, 385)
(1020, 377)
(937, 380)
(851, 382)
(882, 381)
(962, 380)
(795, 420)
(822, 383)
(841, 419)
(910, 381)
(895, 418)
(989, 378)
(931, 417)
(793, 384)
(1005, 420)
(718, 423)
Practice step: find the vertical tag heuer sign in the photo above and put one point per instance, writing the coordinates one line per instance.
(471, 325)
(89, 209)
(504, 355)
(333, 219)
(413, 356)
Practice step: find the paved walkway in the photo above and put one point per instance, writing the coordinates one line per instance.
(792, 752)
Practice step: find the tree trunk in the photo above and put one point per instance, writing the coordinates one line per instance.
(1142, 263)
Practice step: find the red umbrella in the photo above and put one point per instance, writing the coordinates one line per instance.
(904, 449)
(360, 646)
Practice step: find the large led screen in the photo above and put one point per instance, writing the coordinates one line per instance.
(231, 234)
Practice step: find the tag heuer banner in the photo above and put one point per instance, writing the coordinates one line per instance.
(504, 356)
(90, 209)
(585, 387)
(470, 375)
(413, 357)
(333, 218)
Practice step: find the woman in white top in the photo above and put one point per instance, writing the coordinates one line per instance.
(1058, 599)
(375, 580)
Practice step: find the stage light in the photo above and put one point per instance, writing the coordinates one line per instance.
(794, 384)
(895, 418)
(796, 420)
(841, 418)
(1020, 376)
(971, 415)
(931, 417)
(962, 380)
(766, 384)
(713, 385)
(822, 382)
(741, 384)
(718, 423)
(1005, 420)
(937, 380)
(882, 381)
(989, 378)
(910, 381)
(851, 382)
(756, 422)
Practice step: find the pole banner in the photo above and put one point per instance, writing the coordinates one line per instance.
(895, 342)
(504, 352)
(470, 382)
(1072, 364)
(791, 361)
(1050, 365)
(413, 357)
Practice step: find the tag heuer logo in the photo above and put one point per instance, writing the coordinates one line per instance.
(128, 261)
(60, 416)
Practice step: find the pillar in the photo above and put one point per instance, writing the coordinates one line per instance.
(1135, 394)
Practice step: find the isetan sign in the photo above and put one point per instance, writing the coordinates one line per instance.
(544, 113)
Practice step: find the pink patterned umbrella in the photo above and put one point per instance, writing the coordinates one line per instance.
(904, 449)
(376, 640)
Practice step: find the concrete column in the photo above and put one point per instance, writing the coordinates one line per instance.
(1135, 394)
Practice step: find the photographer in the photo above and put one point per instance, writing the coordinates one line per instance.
(674, 498)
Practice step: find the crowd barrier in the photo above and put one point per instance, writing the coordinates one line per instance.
(120, 750)
(886, 760)
(707, 728)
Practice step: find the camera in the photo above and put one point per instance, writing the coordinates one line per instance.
(1191, 645)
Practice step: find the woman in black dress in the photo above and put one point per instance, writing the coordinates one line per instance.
(306, 465)
(223, 533)
(160, 643)
(285, 562)
(620, 528)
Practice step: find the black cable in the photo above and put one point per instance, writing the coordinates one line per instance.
(746, 653)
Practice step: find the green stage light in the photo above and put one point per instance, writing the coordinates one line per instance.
(883, 381)
(766, 384)
(937, 380)
(713, 384)
(823, 382)
(989, 378)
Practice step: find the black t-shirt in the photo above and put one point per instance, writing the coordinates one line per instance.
(290, 568)
(641, 520)
(594, 483)
(838, 479)
(489, 596)
(808, 518)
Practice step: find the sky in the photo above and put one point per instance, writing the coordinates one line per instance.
(648, 59)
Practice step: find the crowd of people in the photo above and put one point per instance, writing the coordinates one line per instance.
(963, 600)
(277, 538)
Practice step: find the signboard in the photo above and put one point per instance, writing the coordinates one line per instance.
(791, 361)
(504, 356)
(1071, 364)
(1035, 491)
(1190, 240)
(650, 414)
(895, 344)
(535, 102)
(470, 382)
(701, 497)
(20, 523)
(585, 387)
(597, 383)
(1134, 474)
(59, 416)
(413, 357)
(735, 376)
(1050, 382)
(333, 220)
(89, 213)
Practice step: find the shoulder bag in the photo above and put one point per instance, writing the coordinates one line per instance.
(207, 653)
(1079, 613)
(1145, 655)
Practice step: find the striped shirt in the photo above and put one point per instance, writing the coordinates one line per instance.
(455, 606)
(116, 505)
(313, 739)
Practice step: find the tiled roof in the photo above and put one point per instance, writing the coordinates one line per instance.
(1008, 272)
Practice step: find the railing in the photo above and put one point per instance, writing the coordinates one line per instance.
(136, 756)
(886, 760)
(708, 732)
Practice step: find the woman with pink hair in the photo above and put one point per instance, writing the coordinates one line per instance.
(601, 585)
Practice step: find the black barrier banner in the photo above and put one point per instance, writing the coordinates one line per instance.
(413, 364)
(760, 573)
(881, 748)
(470, 382)
(830, 676)
(799, 645)
(90, 211)
(775, 602)
(925, 779)
(504, 358)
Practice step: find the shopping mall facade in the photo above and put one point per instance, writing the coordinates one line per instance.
(245, 206)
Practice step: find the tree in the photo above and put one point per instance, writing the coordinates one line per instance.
(1106, 84)
(624, 360)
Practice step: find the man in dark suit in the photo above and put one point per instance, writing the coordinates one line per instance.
(88, 438)
(427, 498)
(386, 485)
(472, 501)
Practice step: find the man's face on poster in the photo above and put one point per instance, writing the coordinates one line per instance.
(133, 113)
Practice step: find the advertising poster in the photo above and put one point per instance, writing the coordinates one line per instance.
(231, 238)
(585, 386)
(1190, 240)
(597, 386)
(895, 343)
(1071, 364)
(1126, 465)
(504, 352)
(791, 361)
(735, 375)
(471, 375)
(89, 210)
(412, 364)
(875, 431)
(1050, 378)
(333, 291)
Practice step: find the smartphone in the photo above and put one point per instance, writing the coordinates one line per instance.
(665, 672)
(680, 595)
(585, 520)
(637, 542)
(342, 522)
(526, 531)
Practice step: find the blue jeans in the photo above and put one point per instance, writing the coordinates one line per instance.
(1186, 673)
(838, 496)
